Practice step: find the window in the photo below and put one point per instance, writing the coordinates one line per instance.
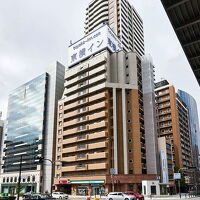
(130, 161)
(82, 118)
(60, 115)
(28, 179)
(58, 157)
(82, 155)
(129, 121)
(7, 180)
(23, 180)
(81, 67)
(130, 140)
(4, 179)
(57, 176)
(82, 92)
(82, 83)
(82, 75)
(59, 149)
(60, 123)
(61, 107)
(82, 101)
(130, 171)
(130, 151)
(128, 101)
(129, 111)
(81, 137)
(15, 179)
(33, 178)
(11, 179)
(129, 130)
(81, 146)
(59, 140)
(60, 132)
(83, 127)
(58, 167)
(83, 109)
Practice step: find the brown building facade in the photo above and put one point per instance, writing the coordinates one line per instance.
(173, 123)
(101, 126)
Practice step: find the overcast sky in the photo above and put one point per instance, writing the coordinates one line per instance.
(35, 33)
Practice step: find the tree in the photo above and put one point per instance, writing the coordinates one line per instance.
(19, 188)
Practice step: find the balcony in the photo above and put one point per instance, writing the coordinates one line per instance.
(82, 156)
(69, 159)
(70, 140)
(97, 106)
(102, 124)
(97, 135)
(69, 169)
(97, 155)
(81, 167)
(97, 96)
(98, 115)
(96, 125)
(69, 150)
(97, 166)
(97, 145)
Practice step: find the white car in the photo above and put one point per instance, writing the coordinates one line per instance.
(59, 195)
(119, 196)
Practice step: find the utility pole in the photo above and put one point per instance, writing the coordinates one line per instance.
(19, 179)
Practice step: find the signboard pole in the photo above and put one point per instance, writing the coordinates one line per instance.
(113, 184)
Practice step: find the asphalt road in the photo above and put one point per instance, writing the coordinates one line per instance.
(85, 198)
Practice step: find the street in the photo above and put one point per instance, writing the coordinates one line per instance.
(157, 198)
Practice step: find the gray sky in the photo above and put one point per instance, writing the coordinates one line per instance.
(35, 33)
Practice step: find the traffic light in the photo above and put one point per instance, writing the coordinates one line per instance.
(41, 159)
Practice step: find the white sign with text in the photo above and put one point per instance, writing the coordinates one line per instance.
(93, 43)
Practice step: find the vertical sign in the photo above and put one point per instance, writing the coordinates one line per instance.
(164, 167)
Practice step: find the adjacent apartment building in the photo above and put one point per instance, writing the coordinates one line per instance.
(122, 18)
(173, 124)
(30, 132)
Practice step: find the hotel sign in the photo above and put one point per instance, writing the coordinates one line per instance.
(98, 40)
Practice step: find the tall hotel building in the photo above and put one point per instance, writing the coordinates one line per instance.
(30, 132)
(122, 18)
(173, 123)
(100, 117)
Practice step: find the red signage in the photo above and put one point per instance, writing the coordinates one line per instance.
(64, 182)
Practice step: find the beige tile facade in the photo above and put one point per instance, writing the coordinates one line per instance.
(101, 125)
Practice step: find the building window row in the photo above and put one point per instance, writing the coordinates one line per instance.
(15, 179)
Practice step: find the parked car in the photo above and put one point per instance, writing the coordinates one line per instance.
(120, 196)
(30, 196)
(59, 195)
(137, 195)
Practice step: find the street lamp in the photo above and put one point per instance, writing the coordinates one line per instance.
(179, 181)
(19, 179)
(41, 159)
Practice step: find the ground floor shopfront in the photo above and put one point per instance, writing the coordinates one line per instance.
(11, 188)
(100, 185)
